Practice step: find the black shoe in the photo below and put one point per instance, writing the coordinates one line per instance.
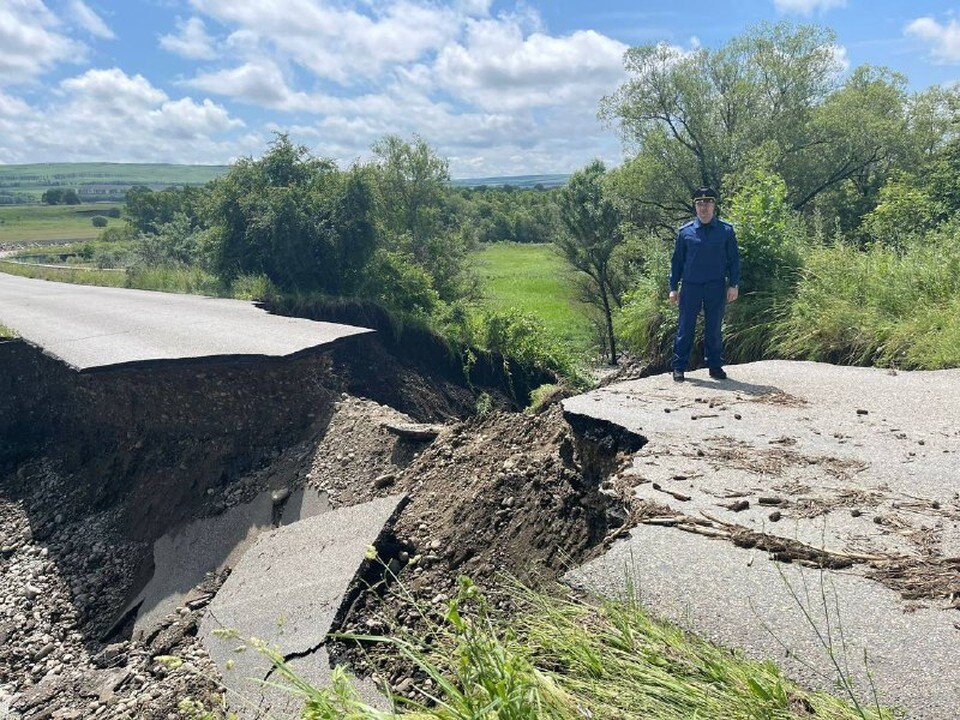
(718, 374)
(678, 376)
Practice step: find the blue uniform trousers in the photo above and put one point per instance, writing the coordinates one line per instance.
(712, 296)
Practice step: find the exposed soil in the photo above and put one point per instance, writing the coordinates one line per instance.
(123, 458)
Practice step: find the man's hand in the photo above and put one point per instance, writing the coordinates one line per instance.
(673, 296)
(732, 294)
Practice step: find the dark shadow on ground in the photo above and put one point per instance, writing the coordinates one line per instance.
(735, 385)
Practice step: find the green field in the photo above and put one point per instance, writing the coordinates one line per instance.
(98, 180)
(26, 224)
(534, 278)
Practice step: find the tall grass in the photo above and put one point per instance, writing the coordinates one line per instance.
(878, 306)
(561, 658)
(806, 299)
(79, 275)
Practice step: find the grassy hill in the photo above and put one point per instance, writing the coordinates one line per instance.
(32, 224)
(519, 181)
(109, 181)
(97, 181)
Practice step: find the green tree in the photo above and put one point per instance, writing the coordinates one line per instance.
(294, 218)
(51, 196)
(776, 91)
(414, 210)
(592, 223)
(148, 210)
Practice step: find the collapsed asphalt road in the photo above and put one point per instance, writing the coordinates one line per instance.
(797, 499)
(91, 327)
(129, 496)
(108, 479)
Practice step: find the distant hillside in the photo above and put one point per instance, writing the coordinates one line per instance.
(109, 181)
(97, 181)
(522, 181)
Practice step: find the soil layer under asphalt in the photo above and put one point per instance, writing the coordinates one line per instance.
(124, 458)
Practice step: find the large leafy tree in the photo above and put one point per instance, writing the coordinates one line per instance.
(414, 210)
(775, 92)
(295, 218)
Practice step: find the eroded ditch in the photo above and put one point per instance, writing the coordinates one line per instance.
(95, 469)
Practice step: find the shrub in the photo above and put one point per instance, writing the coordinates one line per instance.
(523, 338)
(99, 221)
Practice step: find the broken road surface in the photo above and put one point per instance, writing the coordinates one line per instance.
(287, 591)
(97, 327)
(850, 475)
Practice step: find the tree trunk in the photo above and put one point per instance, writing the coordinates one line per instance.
(606, 310)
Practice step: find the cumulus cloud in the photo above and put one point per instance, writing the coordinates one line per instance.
(109, 115)
(943, 38)
(807, 7)
(340, 43)
(497, 67)
(496, 92)
(191, 40)
(259, 82)
(30, 41)
(89, 20)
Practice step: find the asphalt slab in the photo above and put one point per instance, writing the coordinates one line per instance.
(92, 328)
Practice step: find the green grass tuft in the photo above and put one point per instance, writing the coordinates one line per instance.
(561, 658)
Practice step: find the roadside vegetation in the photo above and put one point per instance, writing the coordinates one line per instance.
(563, 658)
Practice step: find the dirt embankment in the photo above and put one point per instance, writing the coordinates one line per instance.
(94, 468)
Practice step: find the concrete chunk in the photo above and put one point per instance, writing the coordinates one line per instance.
(287, 591)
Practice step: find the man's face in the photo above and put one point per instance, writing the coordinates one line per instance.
(705, 209)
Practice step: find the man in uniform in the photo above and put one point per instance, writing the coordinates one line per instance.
(704, 271)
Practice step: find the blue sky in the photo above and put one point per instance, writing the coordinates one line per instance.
(497, 87)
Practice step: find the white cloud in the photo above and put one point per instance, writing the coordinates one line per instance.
(494, 93)
(259, 83)
(945, 39)
(339, 43)
(498, 68)
(109, 115)
(807, 7)
(30, 43)
(840, 57)
(89, 20)
(191, 40)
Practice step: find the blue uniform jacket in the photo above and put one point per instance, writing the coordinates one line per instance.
(705, 253)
